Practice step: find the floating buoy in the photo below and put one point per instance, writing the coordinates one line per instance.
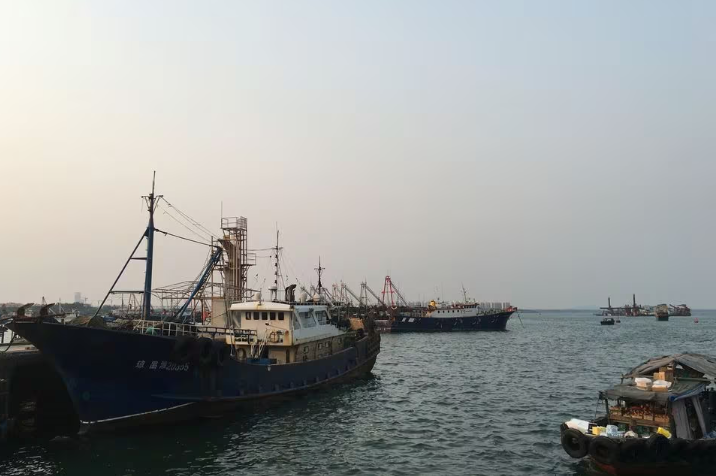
(696, 320)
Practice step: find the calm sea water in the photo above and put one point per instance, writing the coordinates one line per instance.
(460, 403)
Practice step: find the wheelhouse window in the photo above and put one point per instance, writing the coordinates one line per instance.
(256, 315)
(272, 316)
(280, 316)
(264, 316)
(306, 319)
(321, 317)
(247, 316)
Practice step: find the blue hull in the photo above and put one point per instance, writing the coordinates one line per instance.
(484, 322)
(119, 378)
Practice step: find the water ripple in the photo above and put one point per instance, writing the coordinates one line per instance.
(461, 403)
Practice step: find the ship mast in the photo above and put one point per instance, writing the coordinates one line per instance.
(276, 273)
(320, 271)
(149, 234)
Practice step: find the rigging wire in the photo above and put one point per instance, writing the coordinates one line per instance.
(166, 212)
(289, 264)
(196, 225)
(166, 233)
(264, 268)
(190, 219)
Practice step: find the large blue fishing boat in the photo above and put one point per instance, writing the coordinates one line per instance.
(459, 317)
(400, 316)
(156, 370)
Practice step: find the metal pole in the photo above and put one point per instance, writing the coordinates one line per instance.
(120, 274)
(150, 255)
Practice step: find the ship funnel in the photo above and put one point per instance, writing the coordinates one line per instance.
(290, 293)
(257, 296)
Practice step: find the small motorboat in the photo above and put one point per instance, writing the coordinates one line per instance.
(661, 312)
(607, 321)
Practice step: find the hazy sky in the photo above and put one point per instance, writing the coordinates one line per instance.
(550, 153)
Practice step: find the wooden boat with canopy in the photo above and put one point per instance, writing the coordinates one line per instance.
(660, 419)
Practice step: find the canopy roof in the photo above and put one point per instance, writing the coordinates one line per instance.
(698, 362)
(678, 390)
(681, 388)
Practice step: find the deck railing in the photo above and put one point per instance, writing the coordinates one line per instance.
(174, 329)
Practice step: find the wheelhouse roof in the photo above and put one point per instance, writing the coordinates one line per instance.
(260, 306)
(275, 306)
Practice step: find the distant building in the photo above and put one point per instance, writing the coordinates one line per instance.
(78, 298)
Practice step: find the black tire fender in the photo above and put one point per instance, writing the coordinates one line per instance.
(604, 450)
(658, 447)
(708, 454)
(575, 443)
(204, 351)
(677, 449)
(633, 450)
(698, 446)
(221, 353)
(183, 347)
(700, 451)
(241, 354)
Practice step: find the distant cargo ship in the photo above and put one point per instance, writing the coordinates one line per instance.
(635, 310)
